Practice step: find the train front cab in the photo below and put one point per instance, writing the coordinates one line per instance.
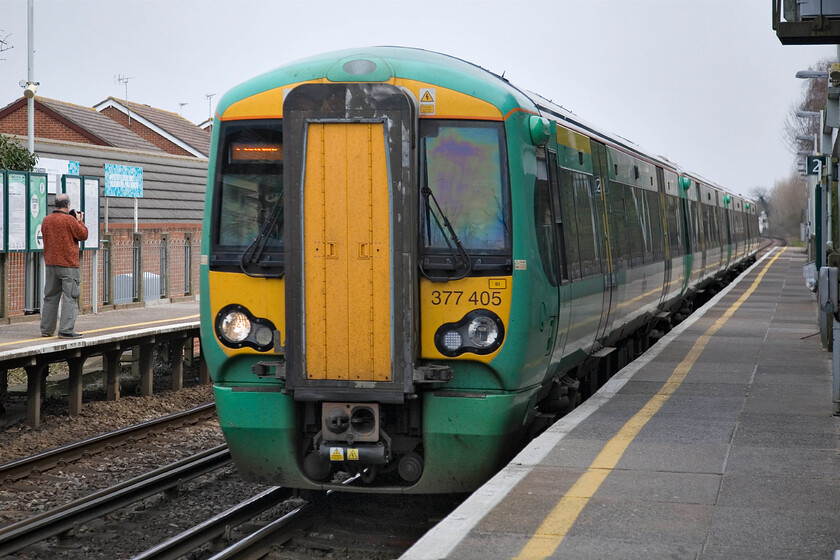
(379, 358)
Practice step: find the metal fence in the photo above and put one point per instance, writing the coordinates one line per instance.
(155, 265)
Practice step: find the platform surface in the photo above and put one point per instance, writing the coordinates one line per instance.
(25, 335)
(718, 443)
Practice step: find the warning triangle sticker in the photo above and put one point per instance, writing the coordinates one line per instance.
(427, 98)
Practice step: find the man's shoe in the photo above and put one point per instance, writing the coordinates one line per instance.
(69, 335)
(45, 335)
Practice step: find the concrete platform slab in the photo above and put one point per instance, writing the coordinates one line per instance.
(738, 460)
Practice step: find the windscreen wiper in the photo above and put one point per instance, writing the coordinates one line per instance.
(461, 259)
(253, 253)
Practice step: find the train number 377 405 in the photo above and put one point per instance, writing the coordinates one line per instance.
(454, 297)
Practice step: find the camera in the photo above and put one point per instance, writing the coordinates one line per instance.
(74, 213)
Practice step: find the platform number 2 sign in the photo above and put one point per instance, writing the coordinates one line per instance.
(814, 164)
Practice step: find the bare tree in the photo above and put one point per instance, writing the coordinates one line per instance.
(787, 211)
(814, 95)
(761, 196)
(4, 42)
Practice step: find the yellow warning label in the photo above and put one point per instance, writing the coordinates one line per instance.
(427, 101)
(352, 454)
(498, 283)
(337, 454)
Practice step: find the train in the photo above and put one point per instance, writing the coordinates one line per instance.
(410, 265)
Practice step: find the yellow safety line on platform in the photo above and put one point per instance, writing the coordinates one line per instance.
(556, 525)
(40, 338)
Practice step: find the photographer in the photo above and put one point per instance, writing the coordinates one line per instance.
(62, 231)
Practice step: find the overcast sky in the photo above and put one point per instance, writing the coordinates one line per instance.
(704, 82)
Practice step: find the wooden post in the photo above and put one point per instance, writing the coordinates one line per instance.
(176, 361)
(147, 369)
(111, 367)
(203, 372)
(74, 391)
(34, 382)
(189, 352)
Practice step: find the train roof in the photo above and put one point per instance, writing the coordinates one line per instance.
(442, 70)
(397, 62)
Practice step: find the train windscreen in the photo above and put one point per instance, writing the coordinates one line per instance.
(463, 166)
(249, 190)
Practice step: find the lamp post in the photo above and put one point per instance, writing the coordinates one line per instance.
(31, 85)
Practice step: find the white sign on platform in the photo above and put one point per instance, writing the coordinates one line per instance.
(18, 208)
(55, 168)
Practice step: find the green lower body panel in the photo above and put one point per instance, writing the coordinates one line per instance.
(261, 433)
(467, 438)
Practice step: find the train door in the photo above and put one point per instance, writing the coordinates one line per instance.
(727, 219)
(663, 217)
(602, 179)
(557, 316)
(693, 239)
(350, 231)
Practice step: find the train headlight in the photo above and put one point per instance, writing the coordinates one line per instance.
(479, 332)
(263, 335)
(237, 327)
(482, 332)
(451, 341)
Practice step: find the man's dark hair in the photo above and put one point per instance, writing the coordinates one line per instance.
(62, 201)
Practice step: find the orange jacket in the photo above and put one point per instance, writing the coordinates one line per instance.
(62, 233)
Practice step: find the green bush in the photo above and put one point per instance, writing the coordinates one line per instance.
(14, 156)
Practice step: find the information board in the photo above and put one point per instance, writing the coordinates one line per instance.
(123, 180)
(55, 168)
(71, 185)
(18, 209)
(3, 216)
(37, 197)
(90, 206)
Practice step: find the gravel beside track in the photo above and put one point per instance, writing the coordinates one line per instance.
(127, 531)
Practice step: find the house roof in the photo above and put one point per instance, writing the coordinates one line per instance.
(85, 120)
(171, 126)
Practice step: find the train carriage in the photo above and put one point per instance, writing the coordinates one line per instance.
(409, 265)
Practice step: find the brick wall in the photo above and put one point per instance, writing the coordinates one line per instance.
(144, 132)
(177, 240)
(45, 125)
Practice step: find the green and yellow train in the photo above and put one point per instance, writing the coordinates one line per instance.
(410, 264)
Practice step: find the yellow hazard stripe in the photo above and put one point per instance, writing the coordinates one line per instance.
(554, 528)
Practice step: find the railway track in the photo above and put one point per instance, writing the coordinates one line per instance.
(60, 456)
(328, 525)
(35, 529)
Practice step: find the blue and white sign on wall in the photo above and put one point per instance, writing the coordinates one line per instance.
(122, 180)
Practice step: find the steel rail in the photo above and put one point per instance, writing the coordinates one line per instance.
(278, 531)
(30, 531)
(20, 468)
(216, 526)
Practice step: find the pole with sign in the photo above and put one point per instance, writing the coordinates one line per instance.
(37, 197)
(36, 205)
(124, 181)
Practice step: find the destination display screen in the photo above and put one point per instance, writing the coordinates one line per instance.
(241, 151)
